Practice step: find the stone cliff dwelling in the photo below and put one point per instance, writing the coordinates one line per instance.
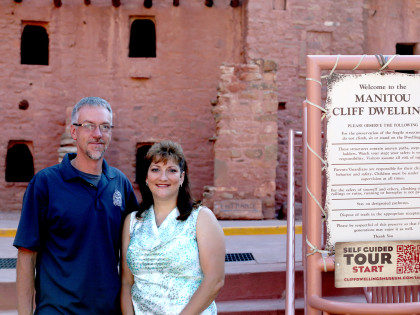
(225, 78)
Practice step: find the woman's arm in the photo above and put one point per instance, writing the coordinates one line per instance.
(211, 246)
(127, 278)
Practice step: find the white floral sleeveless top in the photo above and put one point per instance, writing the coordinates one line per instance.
(165, 263)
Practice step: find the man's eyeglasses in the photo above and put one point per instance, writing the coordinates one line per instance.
(104, 128)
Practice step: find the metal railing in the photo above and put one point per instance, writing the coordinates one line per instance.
(290, 250)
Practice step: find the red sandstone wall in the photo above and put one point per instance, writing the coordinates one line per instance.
(390, 22)
(286, 37)
(245, 149)
(89, 56)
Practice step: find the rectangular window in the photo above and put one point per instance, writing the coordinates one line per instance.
(34, 44)
(142, 38)
(405, 49)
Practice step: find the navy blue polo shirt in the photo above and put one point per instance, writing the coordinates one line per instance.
(75, 228)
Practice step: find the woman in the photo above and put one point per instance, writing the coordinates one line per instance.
(173, 248)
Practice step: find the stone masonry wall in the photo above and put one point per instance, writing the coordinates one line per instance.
(286, 32)
(378, 16)
(245, 149)
(167, 97)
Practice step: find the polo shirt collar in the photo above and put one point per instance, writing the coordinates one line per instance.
(68, 172)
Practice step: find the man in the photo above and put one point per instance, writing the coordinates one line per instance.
(69, 233)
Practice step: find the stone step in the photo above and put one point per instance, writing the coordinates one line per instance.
(330, 291)
(273, 306)
(264, 288)
(261, 281)
(8, 300)
(7, 273)
(261, 289)
(268, 281)
(242, 282)
(260, 307)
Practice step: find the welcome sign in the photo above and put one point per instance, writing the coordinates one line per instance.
(373, 157)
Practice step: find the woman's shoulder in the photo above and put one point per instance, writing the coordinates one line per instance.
(204, 212)
(141, 214)
(207, 221)
(131, 215)
(195, 213)
(202, 208)
(136, 220)
(129, 220)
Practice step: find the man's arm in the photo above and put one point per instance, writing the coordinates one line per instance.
(25, 280)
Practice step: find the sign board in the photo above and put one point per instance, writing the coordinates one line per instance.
(239, 209)
(375, 264)
(373, 157)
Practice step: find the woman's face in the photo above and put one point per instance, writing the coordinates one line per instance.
(164, 180)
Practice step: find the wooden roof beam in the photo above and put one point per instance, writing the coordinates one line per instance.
(147, 3)
(233, 3)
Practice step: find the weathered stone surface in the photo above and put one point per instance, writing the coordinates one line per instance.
(251, 76)
(253, 154)
(235, 154)
(67, 141)
(270, 65)
(238, 209)
(239, 150)
(168, 96)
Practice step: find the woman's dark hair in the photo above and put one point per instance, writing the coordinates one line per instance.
(163, 152)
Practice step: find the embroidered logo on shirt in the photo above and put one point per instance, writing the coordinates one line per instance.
(117, 198)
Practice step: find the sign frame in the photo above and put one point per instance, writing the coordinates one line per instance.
(312, 223)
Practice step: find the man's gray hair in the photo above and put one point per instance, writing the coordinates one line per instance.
(92, 101)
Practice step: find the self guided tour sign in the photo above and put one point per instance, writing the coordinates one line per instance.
(372, 264)
(373, 177)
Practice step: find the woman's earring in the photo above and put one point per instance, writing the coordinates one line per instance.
(147, 184)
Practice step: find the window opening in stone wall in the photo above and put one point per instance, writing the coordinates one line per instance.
(142, 39)
(19, 163)
(142, 149)
(34, 45)
(282, 106)
(405, 49)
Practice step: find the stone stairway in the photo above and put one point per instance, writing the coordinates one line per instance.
(262, 291)
(255, 279)
(8, 255)
(257, 290)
